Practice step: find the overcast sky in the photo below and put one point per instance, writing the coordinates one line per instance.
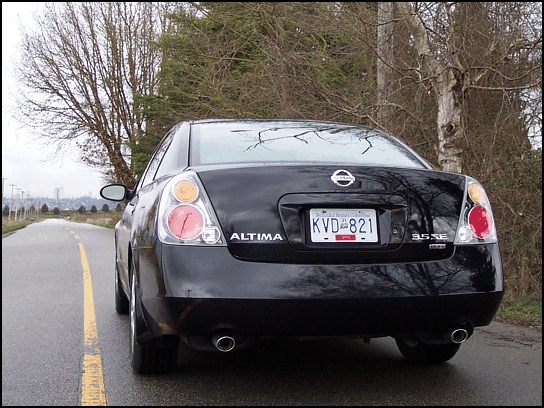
(25, 164)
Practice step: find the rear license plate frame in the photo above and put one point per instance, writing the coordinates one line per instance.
(343, 225)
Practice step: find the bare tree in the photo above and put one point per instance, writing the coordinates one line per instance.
(385, 60)
(442, 42)
(81, 74)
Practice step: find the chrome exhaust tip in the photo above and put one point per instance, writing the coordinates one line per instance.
(459, 336)
(223, 343)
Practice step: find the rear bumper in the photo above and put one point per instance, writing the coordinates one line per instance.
(327, 317)
(205, 290)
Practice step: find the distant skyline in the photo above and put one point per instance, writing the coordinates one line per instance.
(11, 190)
(26, 164)
(69, 203)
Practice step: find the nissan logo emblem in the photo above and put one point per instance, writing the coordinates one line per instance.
(342, 178)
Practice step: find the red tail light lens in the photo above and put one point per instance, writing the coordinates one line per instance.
(480, 222)
(185, 222)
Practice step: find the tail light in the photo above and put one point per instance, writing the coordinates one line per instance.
(186, 216)
(476, 224)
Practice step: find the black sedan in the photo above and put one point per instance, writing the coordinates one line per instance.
(246, 229)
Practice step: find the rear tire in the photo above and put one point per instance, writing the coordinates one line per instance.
(417, 352)
(160, 358)
(122, 304)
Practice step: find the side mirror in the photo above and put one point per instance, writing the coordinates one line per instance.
(115, 192)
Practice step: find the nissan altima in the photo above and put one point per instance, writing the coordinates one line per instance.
(245, 229)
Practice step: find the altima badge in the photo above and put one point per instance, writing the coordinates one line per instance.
(255, 236)
(342, 178)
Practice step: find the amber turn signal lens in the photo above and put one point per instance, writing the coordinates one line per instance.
(186, 191)
(476, 193)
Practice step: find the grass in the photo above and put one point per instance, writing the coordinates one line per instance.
(14, 226)
(523, 311)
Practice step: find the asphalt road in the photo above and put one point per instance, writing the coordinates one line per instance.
(43, 347)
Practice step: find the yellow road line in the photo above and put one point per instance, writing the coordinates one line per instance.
(93, 391)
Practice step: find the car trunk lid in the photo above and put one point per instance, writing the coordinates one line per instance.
(268, 212)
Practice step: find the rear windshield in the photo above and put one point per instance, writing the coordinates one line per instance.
(296, 142)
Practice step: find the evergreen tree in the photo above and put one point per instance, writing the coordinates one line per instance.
(44, 208)
(105, 208)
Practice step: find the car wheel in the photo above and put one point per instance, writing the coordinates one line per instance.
(160, 358)
(121, 299)
(418, 352)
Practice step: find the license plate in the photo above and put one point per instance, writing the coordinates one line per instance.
(343, 225)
